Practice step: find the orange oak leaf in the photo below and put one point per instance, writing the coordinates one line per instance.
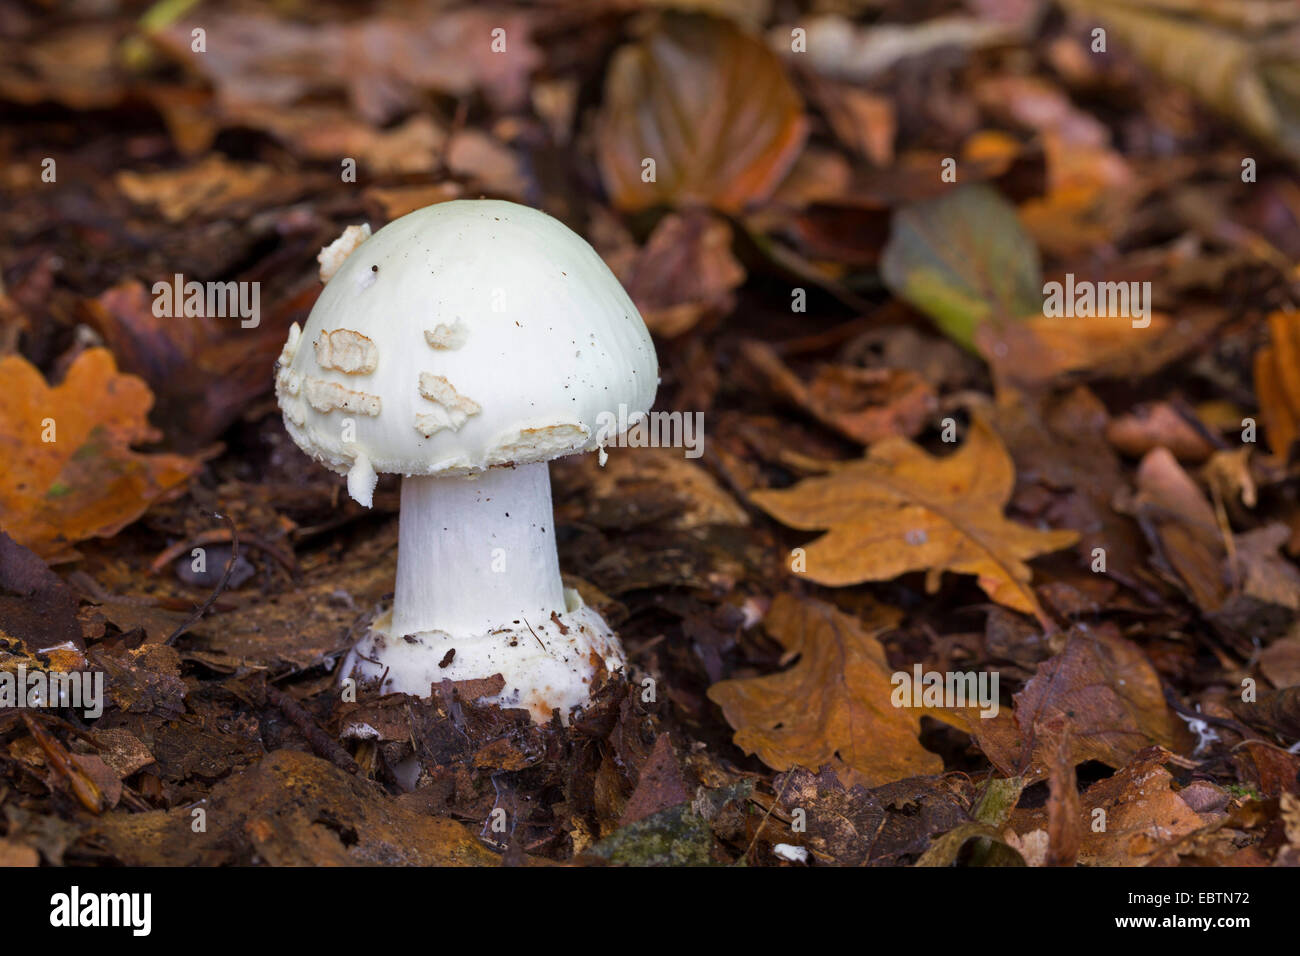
(833, 707)
(901, 509)
(1277, 382)
(710, 105)
(69, 472)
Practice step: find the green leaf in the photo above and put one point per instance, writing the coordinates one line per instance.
(963, 259)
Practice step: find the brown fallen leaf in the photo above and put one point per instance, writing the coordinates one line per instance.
(1140, 814)
(864, 121)
(14, 854)
(900, 509)
(710, 105)
(685, 273)
(381, 62)
(1239, 61)
(1147, 426)
(659, 785)
(865, 405)
(1104, 694)
(1183, 526)
(328, 132)
(76, 66)
(1280, 662)
(36, 606)
(832, 707)
(1041, 349)
(639, 484)
(1057, 441)
(212, 186)
(203, 371)
(84, 481)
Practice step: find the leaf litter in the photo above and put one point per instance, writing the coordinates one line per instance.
(886, 401)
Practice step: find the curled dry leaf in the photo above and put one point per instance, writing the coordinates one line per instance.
(863, 404)
(70, 473)
(833, 707)
(900, 509)
(713, 109)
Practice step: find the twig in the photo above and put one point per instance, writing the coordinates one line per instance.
(197, 616)
(215, 536)
(322, 744)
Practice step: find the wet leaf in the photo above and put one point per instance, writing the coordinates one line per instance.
(900, 509)
(87, 482)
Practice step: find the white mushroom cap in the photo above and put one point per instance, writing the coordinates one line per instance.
(465, 335)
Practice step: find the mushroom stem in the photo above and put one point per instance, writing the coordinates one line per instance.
(476, 553)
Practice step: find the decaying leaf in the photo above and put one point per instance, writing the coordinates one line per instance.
(833, 706)
(69, 470)
(713, 109)
(900, 509)
(293, 809)
(964, 259)
(1126, 819)
(1103, 694)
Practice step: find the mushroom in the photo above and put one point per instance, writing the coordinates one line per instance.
(464, 346)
